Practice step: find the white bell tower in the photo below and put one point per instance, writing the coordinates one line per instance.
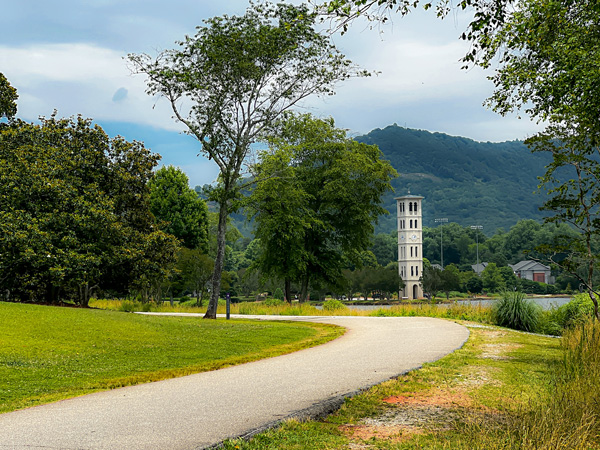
(410, 245)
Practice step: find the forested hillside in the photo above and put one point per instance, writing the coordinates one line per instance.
(469, 182)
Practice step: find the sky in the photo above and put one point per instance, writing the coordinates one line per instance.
(69, 56)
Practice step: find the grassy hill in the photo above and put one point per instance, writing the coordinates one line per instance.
(469, 182)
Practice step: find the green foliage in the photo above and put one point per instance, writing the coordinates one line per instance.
(233, 80)
(514, 311)
(450, 278)
(333, 305)
(273, 302)
(492, 279)
(546, 52)
(278, 294)
(474, 285)
(74, 214)
(179, 209)
(579, 310)
(194, 272)
(431, 281)
(317, 196)
(8, 99)
(373, 281)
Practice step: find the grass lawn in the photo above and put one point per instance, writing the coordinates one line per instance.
(476, 397)
(51, 353)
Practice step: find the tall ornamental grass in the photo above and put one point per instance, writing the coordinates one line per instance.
(514, 311)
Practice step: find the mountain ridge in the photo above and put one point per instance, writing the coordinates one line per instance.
(466, 181)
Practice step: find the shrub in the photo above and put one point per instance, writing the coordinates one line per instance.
(514, 311)
(278, 294)
(127, 306)
(273, 301)
(332, 305)
(578, 310)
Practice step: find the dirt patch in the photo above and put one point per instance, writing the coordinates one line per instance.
(437, 409)
(435, 398)
(364, 432)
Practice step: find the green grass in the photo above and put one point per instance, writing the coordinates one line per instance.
(481, 396)
(51, 353)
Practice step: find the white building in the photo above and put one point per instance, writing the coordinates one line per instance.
(410, 245)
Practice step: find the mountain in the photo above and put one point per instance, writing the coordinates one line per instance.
(468, 182)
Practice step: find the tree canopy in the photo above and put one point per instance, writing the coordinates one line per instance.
(182, 212)
(74, 213)
(548, 53)
(8, 99)
(316, 201)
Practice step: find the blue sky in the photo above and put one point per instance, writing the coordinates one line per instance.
(68, 55)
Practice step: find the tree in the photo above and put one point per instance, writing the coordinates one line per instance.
(196, 270)
(182, 213)
(316, 202)
(74, 213)
(492, 279)
(8, 99)
(548, 53)
(450, 278)
(385, 247)
(238, 74)
(431, 280)
(474, 284)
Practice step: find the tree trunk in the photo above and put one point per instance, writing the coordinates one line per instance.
(304, 289)
(288, 290)
(211, 311)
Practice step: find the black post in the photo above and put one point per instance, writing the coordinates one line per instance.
(228, 303)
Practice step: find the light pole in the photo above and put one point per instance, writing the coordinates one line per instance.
(477, 228)
(442, 220)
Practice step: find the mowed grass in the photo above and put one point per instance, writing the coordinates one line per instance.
(51, 353)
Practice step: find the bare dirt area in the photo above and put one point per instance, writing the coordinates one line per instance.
(436, 409)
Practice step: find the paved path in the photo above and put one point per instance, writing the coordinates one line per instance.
(198, 411)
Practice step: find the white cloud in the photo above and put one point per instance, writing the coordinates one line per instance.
(80, 79)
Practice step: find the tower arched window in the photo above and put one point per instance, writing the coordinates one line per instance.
(410, 223)
(412, 271)
(416, 226)
(410, 206)
(417, 270)
(415, 207)
(416, 251)
(411, 251)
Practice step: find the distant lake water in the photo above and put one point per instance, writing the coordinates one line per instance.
(546, 303)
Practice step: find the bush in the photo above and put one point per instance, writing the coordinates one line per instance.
(514, 311)
(273, 302)
(332, 305)
(578, 310)
(278, 294)
(127, 306)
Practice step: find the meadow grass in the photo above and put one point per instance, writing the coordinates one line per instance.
(477, 312)
(50, 353)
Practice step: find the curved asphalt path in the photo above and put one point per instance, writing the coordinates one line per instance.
(201, 410)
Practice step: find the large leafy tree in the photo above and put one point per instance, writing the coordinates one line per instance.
(548, 53)
(316, 202)
(182, 213)
(74, 213)
(8, 99)
(234, 78)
